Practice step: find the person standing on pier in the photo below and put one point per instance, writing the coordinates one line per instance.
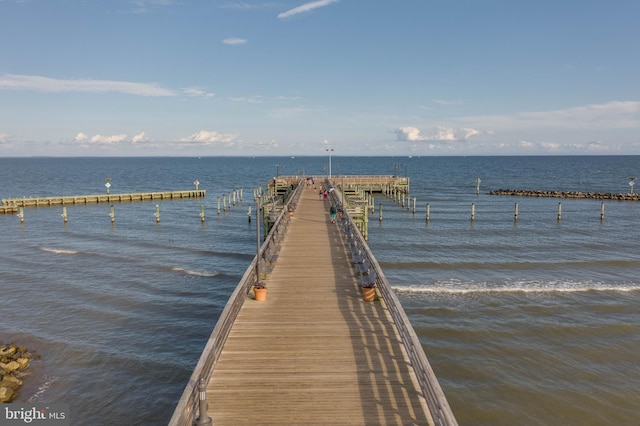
(333, 211)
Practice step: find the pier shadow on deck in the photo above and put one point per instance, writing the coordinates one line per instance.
(314, 352)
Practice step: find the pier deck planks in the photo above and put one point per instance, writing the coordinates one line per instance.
(314, 352)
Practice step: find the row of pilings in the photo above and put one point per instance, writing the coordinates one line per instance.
(567, 194)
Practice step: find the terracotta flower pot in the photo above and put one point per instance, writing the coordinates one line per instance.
(260, 294)
(369, 294)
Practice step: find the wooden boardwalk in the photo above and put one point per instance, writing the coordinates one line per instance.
(314, 352)
(10, 205)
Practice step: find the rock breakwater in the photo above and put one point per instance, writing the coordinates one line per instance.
(14, 360)
(566, 194)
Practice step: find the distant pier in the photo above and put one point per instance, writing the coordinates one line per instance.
(566, 194)
(11, 205)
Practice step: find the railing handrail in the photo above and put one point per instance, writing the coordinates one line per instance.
(187, 407)
(429, 385)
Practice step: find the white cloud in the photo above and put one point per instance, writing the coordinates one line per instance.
(233, 41)
(245, 6)
(409, 134)
(250, 100)
(108, 140)
(143, 6)
(551, 146)
(609, 115)
(80, 137)
(47, 84)
(140, 137)
(616, 114)
(307, 7)
(207, 137)
(597, 146)
(197, 92)
(413, 134)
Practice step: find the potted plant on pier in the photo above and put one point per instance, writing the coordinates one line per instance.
(368, 291)
(260, 291)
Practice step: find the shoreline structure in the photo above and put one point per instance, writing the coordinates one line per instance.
(566, 194)
(14, 360)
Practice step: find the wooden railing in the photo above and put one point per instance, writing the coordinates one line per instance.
(187, 408)
(101, 198)
(429, 385)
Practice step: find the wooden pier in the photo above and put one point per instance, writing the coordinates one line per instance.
(10, 205)
(314, 352)
(372, 183)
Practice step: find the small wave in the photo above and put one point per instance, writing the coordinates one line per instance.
(59, 251)
(474, 288)
(196, 273)
(43, 388)
(614, 263)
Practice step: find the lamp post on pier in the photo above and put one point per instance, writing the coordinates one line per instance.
(329, 150)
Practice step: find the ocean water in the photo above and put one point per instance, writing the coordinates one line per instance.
(527, 322)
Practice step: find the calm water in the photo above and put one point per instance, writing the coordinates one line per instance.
(534, 322)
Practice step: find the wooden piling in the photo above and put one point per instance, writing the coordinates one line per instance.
(380, 218)
(157, 214)
(473, 211)
(64, 214)
(428, 212)
(602, 211)
(202, 214)
(515, 212)
(112, 214)
(559, 212)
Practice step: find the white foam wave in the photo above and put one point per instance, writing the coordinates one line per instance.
(43, 388)
(59, 251)
(196, 273)
(474, 288)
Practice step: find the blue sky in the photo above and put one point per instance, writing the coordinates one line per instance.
(286, 77)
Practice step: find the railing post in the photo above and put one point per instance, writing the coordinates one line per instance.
(203, 419)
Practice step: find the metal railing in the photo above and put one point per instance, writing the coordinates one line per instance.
(186, 410)
(429, 385)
